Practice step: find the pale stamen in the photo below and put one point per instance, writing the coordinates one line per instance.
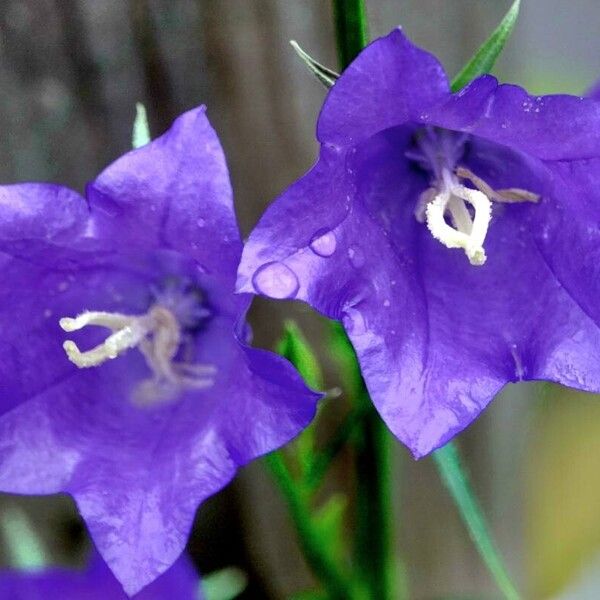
(509, 195)
(157, 335)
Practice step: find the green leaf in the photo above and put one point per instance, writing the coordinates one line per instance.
(329, 521)
(454, 476)
(326, 76)
(24, 546)
(141, 129)
(225, 584)
(332, 575)
(295, 347)
(484, 59)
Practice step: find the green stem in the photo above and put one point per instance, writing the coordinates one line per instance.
(351, 34)
(323, 459)
(337, 584)
(455, 477)
(373, 501)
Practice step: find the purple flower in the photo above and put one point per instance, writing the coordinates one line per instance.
(96, 582)
(431, 226)
(160, 399)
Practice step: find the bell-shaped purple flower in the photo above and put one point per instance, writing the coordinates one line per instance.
(125, 376)
(455, 236)
(96, 582)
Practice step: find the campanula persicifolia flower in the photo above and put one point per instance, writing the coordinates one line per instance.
(96, 582)
(425, 227)
(126, 378)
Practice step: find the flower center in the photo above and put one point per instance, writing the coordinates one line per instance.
(469, 209)
(157, 334)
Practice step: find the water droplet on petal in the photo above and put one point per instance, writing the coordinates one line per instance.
(276, 280)
(386, 303)
(323, 243)
(354, 322)
(201, 222)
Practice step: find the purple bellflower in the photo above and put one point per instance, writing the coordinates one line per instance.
(125, 376)
(96, 582)
(430, 226)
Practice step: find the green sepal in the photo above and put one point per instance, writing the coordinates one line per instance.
(141, 129)
(326, 76)
(485, 58)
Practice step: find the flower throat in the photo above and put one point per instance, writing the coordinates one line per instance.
(469, 209)
(158, 334)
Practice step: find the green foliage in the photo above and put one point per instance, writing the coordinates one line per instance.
(329, 520)
(24, 547)
(225, 584)
(485, 58)
(294, 346)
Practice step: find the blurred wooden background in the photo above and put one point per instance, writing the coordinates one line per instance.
(70, 74)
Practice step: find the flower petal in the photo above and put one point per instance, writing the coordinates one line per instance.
(389, 83)
(96, 582)
(556, 127)
(65, 212)
(172, 193)
(568, 231)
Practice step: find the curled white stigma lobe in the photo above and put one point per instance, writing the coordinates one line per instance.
(450, 197)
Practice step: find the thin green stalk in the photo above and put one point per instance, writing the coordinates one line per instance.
(337, 584)
(323, 459)
(373, 501)
(448, 462)
(351, 33)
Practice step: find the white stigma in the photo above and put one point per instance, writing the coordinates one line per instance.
(157, 335)
(468, 233)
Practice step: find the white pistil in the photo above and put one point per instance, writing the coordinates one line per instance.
(157, 334)
(469, 233)
(128, 333)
